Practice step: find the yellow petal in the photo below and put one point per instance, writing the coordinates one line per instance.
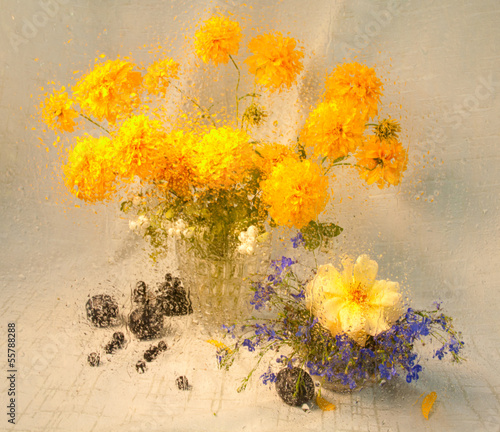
(365, 271)
(324, 405)
(427, 404)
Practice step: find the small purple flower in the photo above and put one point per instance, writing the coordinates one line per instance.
(298, 240)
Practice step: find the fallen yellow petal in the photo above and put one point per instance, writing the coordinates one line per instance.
(219, 345)
(324, 404)
(427, 404)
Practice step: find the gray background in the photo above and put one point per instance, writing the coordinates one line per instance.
(437, 233)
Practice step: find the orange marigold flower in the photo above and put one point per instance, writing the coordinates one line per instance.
(217, 40)
(222, 158)
(268, 155)
(296, 192)
(136, 148)
(109, 90)
(88, 173)
(276, 61)
(358, 83)
(333, 129)
(175, 163)
(382, 161)
(159, 74)
(57, 112)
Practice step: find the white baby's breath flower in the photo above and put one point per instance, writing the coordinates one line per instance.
(252, 231)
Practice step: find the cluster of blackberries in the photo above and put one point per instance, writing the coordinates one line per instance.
(169, 299)
(116, 344)
(172, 298)
(102, 310)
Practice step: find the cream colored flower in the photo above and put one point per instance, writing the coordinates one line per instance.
(354, 302)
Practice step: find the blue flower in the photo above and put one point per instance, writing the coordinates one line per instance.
(249, 344)
(297, 240)
(268, 377)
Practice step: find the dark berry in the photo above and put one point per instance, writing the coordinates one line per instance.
(295, 386)
(151, 353)
(140, 367)
(119, 338)
(102, 310)
(162, 346)
(168, 277)
(111, 347)
(94, 359)
(139, 293)
(172, 298)
(146, 323)
(182, 383)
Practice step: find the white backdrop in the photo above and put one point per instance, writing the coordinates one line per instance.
(438, 232)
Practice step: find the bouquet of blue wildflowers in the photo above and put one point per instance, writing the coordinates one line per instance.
(342, 327)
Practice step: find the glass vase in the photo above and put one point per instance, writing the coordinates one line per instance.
(219, 286)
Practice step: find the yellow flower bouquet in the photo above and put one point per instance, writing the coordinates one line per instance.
(204, 177)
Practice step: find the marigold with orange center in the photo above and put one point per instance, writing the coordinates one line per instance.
(175, 163)
(159, 75)
(276, 61)
(268, 155)
(222, 158)
(382, 161)
(333, 129)
(89, 174)
(109, 90)
(296, 192)
(357, 83)
(137, 148)
(57, 112)
(353, 301)
(217, 40)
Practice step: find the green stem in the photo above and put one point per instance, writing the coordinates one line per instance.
(237, 88)
(196, 104)
(95, 123)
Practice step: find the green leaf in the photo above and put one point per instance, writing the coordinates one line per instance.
(125, 206)
(318, 234)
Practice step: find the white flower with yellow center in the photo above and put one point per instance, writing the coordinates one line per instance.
(354, 302)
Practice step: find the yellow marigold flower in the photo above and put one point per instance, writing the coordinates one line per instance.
(333, 129)
(159, 75)
(276, 61)
(136, 148)
(353, 302)
(88, 173)
(57, 112)
(222, 158)
(382, 161)
(357, 83)
(175, 163)
(296, 192)
(109, 90)
(217, 40)
(268, 155)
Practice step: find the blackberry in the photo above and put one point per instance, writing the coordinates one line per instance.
(102, 310)
(111, 347)
(119, 338)
(94, 359)
(162, 346)
(151, 353)
(182, 383)
(146, 323)
(172, 298)
(140, 367)
(139, 293)
(295, 386)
